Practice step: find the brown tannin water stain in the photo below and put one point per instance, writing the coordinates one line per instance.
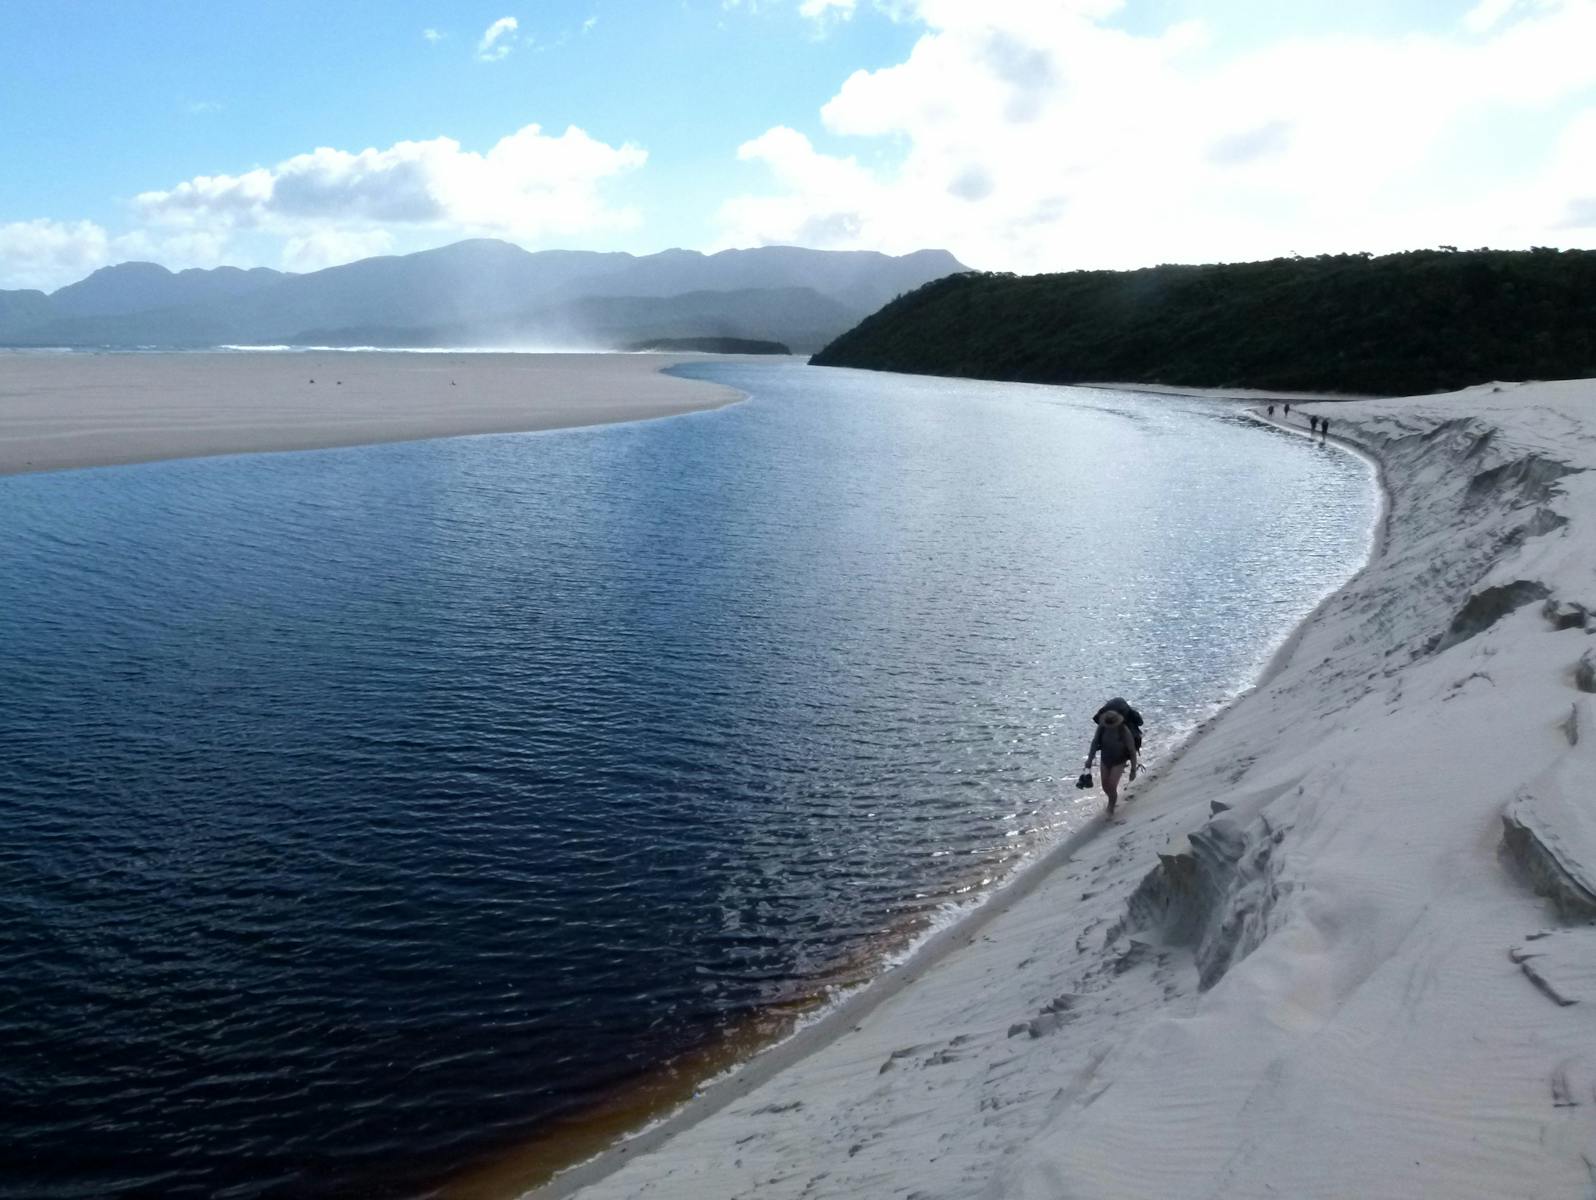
(655, 1095)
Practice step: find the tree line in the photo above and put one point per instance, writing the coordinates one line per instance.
(1396, 324)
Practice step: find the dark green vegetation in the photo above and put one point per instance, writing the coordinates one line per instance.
(711, 345)
(1422, 321)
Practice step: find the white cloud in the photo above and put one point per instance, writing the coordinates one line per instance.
(1035, 134)
(336, 204)
(329, 247)
(825, 199)
(433, 36)
(238, 198)
(45, 254)
(817, 10)
(175, 251)
(331, 206)
(498, 40)
(1487, 15)
(1557, 205)
(822, 12)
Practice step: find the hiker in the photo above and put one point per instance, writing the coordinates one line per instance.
(1119, 740)
(1324, 426)
(1288, 412)
(1313, 424)
(1271, 410)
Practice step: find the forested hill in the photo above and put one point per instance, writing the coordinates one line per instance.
(1399, 324)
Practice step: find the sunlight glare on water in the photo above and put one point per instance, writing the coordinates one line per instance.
(366, 808)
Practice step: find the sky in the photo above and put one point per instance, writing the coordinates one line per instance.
(1022, 135)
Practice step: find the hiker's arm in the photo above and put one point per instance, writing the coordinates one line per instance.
(1097, 742)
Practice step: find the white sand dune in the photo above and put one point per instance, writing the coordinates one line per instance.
(87, 410)
(1373, 974)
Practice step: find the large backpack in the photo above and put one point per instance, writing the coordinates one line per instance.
(1132, 717)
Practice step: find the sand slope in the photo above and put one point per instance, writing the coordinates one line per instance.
(84, 410)
(1358, 980)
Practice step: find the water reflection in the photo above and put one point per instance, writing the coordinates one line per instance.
(368, 807)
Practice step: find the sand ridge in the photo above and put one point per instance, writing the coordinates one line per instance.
(1309, 961)
(60, 411)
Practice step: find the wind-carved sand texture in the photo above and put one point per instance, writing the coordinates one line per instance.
(1343, 946)
(87, 410)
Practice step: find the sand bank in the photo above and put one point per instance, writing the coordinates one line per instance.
(1260, 396)
(1372, 973)
(86, 410)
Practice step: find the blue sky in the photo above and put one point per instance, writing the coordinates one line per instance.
(1021, 134)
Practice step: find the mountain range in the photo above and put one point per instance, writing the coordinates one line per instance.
(478, 293)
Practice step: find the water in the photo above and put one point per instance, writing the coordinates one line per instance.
(367, 808)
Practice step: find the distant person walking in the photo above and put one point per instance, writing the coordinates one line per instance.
(1313, 424)
(1288, 412)
(1271, 410)
(1119, 740)
(1324, 427)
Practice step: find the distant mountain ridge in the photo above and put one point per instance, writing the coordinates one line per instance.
(476, 292)
(139, 286)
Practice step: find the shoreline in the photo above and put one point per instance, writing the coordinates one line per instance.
(363, 378)
(1335, 947)
(737, 1078)
(1214, 999)
(1379, 538)
(1245, 395)
(765, 1065)
(657, 1104)
(72, 412)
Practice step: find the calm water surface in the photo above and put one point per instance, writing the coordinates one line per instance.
(365, 809)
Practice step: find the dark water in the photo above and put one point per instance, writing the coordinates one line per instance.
(365, 808)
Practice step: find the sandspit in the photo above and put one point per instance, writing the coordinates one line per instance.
(83, 410)
(1341, 947)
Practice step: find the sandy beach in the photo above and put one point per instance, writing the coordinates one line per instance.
(1340, 946)
(59, 411)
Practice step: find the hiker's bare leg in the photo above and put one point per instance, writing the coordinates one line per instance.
(1111, 783)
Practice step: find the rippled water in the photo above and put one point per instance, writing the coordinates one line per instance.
(366, 808)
